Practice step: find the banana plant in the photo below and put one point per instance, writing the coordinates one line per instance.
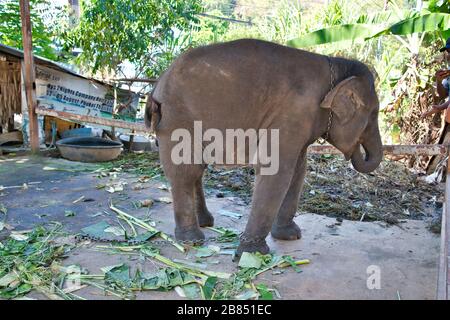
(427, 20)
(409, 24)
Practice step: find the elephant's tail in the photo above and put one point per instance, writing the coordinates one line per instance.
(152, 112)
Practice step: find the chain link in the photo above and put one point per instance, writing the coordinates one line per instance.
(330, 64)
(324, 138)
(248, 240)
(242, 238)
(327, 133)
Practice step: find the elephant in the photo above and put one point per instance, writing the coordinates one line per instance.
(255, 84)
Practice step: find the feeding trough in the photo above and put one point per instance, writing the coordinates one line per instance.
(89, 149)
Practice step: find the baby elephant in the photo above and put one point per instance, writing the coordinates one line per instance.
(256, 102)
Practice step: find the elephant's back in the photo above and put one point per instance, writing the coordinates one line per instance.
(236, 79)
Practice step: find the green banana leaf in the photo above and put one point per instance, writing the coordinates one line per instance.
(422, 23)
(335, 34)
(385, 17)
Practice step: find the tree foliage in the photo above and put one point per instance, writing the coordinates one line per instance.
(43, 25)
(111, 32)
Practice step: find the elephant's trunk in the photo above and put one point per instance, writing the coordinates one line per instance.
(373, 148)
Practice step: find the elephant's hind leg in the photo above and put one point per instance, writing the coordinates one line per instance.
(205, 218)
(284, 227)
(183, 178)
(184, 204)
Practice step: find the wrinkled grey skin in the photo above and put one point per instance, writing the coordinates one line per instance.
(256, 84)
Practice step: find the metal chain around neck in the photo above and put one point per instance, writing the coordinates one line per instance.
(330, 116)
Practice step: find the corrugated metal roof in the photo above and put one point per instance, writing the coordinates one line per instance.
(44, 61)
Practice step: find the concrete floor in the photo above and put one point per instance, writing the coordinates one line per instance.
(405, 255)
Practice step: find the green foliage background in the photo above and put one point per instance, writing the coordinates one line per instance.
(44, 18)
(142, 32)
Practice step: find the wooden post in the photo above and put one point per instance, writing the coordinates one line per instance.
(10, 125)
(29, 74)
(113, 129)
(443, 285)
(130, 147)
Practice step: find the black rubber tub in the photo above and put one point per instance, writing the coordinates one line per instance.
(89, 149)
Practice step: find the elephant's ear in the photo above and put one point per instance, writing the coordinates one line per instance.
(344, 99)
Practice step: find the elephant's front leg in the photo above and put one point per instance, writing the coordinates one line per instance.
(284, 227)
(268, 196)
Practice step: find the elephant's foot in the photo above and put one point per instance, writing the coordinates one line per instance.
(205, 219)
(252, 247)
(286, 232)
(189, 235)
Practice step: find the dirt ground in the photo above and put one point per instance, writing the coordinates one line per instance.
(341, 252)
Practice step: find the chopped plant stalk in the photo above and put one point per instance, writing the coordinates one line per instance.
(191, 264)
(78, 200)
(124, 230)
(297, 262)
(230, 214)
(291, 262)
(172, 264)
(130, 224)
(145, 225)
(145, 236)
(108, 290)
(230, 252)
(83, 277)
(282, 263)
(3, 209)
(221, 230)
(18, 236)
(200, 273)
(69, 213)
(18, 187)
